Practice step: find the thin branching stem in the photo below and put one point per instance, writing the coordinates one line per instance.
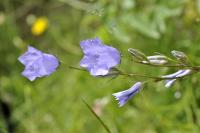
(196, 68)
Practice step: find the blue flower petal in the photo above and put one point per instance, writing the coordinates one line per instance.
(31, 55)
(50, 63)
(111, 57)
(98, 70)
(91, 45)
(169, 83)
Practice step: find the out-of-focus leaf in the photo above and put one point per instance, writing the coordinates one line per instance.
(128, 4)
(151, 27)
(162, 13)
(102, 32)
(142, 25)
(198, 5)
(118, 32)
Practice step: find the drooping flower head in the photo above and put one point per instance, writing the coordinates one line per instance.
(37, 63)
(178, 74)
(124, 96)
(98, 58)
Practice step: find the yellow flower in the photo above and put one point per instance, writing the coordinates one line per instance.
(39, 26)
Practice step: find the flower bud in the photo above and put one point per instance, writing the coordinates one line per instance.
(174, 76)
(137, 54)
(157, 59)
(158, 62)
(180, 56)
(169, 83)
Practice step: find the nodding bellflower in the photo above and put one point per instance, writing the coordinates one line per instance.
(178, 74)
(98, 58)
(124, 96)
(37, 63)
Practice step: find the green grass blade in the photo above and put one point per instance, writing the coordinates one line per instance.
(98, 118)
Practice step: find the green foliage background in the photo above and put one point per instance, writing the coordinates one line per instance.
(54, 105)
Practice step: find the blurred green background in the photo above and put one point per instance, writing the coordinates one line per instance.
(54, 104)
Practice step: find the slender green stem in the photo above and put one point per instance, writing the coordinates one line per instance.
(196, 68)
(72, 67)
(156, 78)
(98, 118)
(139, 75)
(149, 64)
(170, 59)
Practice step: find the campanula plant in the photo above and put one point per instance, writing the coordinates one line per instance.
(101, 60)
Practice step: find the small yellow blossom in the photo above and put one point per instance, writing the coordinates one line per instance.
(39, 26)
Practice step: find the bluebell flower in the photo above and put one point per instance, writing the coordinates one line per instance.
(98, 58)
(178, 74)
(37, 63)
(124, 96)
